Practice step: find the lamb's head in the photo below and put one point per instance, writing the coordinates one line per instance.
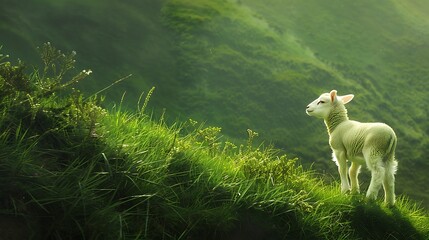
(323, 105)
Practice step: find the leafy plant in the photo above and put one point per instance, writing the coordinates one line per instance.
(51, 138)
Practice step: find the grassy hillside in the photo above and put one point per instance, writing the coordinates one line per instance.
(250, 64)
(73, 170)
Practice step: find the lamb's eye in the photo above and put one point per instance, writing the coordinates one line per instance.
(320, 102)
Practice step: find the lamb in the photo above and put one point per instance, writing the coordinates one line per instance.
(372, 144)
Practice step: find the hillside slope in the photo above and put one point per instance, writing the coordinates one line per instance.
(251, 65)
(73, 170)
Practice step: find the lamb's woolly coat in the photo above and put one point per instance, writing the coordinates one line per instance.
(372, 144)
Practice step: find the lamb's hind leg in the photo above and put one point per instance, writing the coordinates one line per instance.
(389, 183)
(375, 165)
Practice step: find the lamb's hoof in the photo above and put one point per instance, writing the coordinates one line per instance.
(346, 191)
(390, 205)
(354, 193)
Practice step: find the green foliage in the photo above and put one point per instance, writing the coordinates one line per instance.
(71, 169)
(46, 142)
(247, 64)
(265, 165)
(35, 101)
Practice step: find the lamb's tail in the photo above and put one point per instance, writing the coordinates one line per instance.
(389, 160)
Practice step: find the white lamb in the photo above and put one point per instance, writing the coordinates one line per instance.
(372, 144)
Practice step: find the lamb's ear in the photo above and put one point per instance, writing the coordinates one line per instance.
(333, 94)
(347, 98)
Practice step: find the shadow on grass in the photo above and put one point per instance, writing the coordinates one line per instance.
(254, 224)
(372, 221)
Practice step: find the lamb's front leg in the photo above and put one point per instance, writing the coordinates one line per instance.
(353, 173)
(340, 158)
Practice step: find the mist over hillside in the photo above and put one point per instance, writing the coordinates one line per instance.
(250, 64)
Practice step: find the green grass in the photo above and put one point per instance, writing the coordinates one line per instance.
(73, 170)
(249, 65)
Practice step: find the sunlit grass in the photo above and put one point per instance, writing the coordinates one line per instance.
(191, 50)
(71, 168)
